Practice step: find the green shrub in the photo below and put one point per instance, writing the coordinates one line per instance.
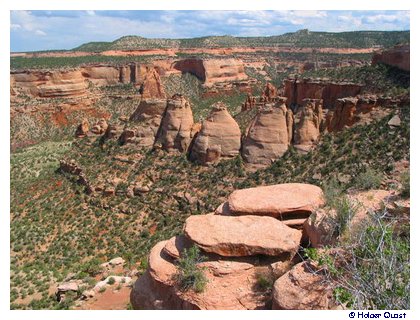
(111, 280)
(264, 281)
(370, 179)
(405, 181)
(345, 210)
(189, 276)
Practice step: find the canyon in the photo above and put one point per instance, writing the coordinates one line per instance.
(209, 178)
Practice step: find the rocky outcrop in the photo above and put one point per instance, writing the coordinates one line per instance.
(218, 75)
(399, 57)
(144, 123)
(49, 84)
(176, 128)
(292, 203)
(104, 75)
(72, 168)
(74, 83)
(231, 286)
(269, 93)
(344, 114)
(82, 129)
(296, 90)
(307, 124)
(269, 134)
(150, 84)
(242, 236)
(100, 127)
(219, 137)
(304, 287)
(239, 253)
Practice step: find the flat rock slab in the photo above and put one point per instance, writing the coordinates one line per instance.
(232, 236)
(176, 245)
(278, 200)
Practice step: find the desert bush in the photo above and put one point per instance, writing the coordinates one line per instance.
(405, 181)
(377, 274)
(189, 275)
(370, 179)
(265, 281)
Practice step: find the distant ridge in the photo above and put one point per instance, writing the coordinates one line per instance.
(301, 38)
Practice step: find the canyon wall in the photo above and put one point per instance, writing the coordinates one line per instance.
(399, 57)
(296, 90)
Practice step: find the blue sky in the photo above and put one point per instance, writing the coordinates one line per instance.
(44, 30)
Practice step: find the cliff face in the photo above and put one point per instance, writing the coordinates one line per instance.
(297, 90)
(399, 57)
(47, 84)
(219, 76)
(74, 83)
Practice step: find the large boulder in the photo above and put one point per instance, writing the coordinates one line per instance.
(242, 236)
(307, 124)
(304, 287)
(176, 128)
(269, 134)
(286, 201)
(219, 134)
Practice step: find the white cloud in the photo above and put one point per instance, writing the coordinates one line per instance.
(40, 33)
(70, 29)
(15, 26)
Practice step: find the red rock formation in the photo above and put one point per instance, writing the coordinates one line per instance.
(72, 83)
(144, 123)
(48, 84)
(269, 134)
(269, 93)
(328, 91)
(176, 128)
(303, 288)
(307, 124)
(399, 57)
(83, 129)
(218, 75)
(150, 84)
(219, 137)
(344, 114)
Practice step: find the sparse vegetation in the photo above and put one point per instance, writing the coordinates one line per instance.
(189, 275)
(369, 179)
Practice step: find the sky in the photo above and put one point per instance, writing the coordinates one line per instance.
(66, 29)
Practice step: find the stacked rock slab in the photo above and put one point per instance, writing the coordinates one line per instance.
(269, 134)
(232, 281)
(176, 128)
(291, 203)
(241, 236)
(219, 137)
(307, 124)
(144, 123)
(238, 250)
